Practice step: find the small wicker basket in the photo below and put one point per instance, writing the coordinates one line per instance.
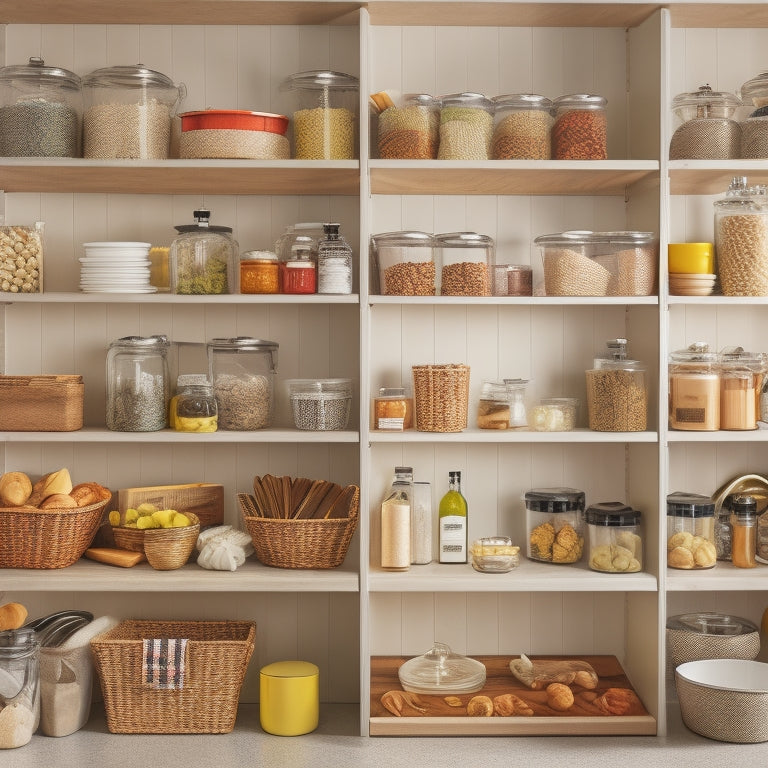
(47, 538)
(310, 544)
(216, 660)
(50, 403)
(166, 548)
(441, 397)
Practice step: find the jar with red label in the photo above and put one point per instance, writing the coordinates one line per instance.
(298, 274)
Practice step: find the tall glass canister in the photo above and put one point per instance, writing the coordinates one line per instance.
(19, 687)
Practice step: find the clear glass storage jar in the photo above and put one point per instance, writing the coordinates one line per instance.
(555, 522)
(41, 110)
(493, 407)
(320, 405)
(617, 392)
(580, 130)
(615, 541)
(466, 127)
(465, 264)
(518, 410)
(554, 414)
(259, 272)
(741, 375)
(128, 112)
(203, 258)
(405, 263)
(521, 127)
(243, 372)
(306, 232)
(298, 271)
(690, 531)
(334, 262)
(705, 128)
(741, 239)
(19, 687)
(754, 128)
(494, 554)
(193, 408)
(694, 389)
(410, 129)
(744, 531)
(392, 410)
(325, 115)
(137, 384)
(21, 257)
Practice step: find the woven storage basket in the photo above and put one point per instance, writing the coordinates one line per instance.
(165, 548)
(441, 397)
(217, 657)
(41, 403)
(312, 544)
(50, 538)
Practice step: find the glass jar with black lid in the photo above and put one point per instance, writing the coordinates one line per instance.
(555, 521)
(615, 543)
(690, 531)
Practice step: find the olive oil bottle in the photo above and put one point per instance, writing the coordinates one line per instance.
(453, 522)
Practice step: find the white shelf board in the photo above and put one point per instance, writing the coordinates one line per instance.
(529, 576)
(102, 435)
(724, 577)
(719, 301)
(55, 297)
(720, 436)
(88, 576)
(474, 435)
(539, 301)
(712, 177)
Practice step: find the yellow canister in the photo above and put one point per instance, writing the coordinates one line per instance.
(691, 258)
(289, 695)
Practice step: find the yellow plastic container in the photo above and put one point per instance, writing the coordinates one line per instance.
(691, 258)
(289, 694)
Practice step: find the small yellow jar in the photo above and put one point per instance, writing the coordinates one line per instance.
(691, 258)
(289, 695)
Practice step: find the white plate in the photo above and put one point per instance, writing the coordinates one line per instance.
(117, 244)
(108, 262)
(151, 289)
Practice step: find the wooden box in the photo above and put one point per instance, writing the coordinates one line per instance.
(206, 500)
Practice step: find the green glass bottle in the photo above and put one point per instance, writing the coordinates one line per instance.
(453, 522)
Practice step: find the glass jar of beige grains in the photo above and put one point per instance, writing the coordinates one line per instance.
(410, 130)
(405, 262)
(325, 117)
(466, 127)
(466, 260)
(522, 125)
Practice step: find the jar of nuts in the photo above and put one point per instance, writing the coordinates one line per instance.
(21, 258)
(405, 262)
(466, 261)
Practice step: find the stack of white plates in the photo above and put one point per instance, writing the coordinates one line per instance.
(684, 284)
(115, 268)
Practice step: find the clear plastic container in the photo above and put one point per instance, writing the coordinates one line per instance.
(325, 115)
(41, 109)
(615, 540)
(410, 129)
(694, 389)
(522, 126)
(392, 410)
(21, 258)
(493, 407)
(243, 371)
(405, 262)
(518, 410)
(127, 113)
(19, 687)
(466, 127)
(442, 671)
(193, 408)
(580, 130)
(555, 521)
(320, 405)
(203, 258)
(494, 554)
(690, 531)
(705, 128)
(137, 384)
(617, 391)
(554, 414)
(465, 264)
(259, 272)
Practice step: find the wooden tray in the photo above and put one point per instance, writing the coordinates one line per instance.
(441, 719)
(206, 500)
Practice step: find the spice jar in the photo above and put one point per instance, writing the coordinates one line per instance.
(19, 686)
(325, 117)
(259, 272)
(555, 521)
(615, 544)
(466, 260)
(493, 408)
(724, 530)
(739, 400)
(128, 111)
(334, 263)
(744, 527)
(741, 239)
(203, 258)
(754, 129)
(519, 280)
(405, 262)
(298, 273)
(40, 111)
(580, 130)
(466, 127)
(694, 389)
(243, 370)
(392, 410)
(193, 408)
(617, 395)
(690, 531)
(705, 128)
(522, 125)
(409, 129)
(137, 384)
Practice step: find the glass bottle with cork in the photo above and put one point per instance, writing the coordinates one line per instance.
(396, 522)
(334, 262)
(453, 522)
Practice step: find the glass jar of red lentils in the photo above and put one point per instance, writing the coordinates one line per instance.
(298, 273)
(259, 272)
(581, 128)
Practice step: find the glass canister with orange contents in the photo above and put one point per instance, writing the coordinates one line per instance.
(392, 410)
(259, 272)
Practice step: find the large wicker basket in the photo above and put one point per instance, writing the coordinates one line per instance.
(216, 659)
(49, 538)
(310, 544)
(441, 397)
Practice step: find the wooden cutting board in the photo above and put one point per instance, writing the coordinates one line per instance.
(442, 719)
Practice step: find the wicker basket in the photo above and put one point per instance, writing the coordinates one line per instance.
(165, 548)
(215, 662)
(50, 538)
(311, 544)
(41, 403)
(441, 397)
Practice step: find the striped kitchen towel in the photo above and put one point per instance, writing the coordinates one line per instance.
(164, 662)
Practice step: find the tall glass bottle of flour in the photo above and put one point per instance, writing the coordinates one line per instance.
(396, 522)
(453, 522)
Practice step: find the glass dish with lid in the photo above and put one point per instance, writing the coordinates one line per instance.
(442, 671)
(494, 554)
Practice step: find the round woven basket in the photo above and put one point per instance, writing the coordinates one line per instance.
(166, 548)
(441, 397)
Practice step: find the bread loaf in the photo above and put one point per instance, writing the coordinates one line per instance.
(47, 485)
(88, 493)
(58, 501)
(15, 489)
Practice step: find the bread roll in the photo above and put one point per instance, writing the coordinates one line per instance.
(12, 616)
(86, 493)
(58, 501)
(53, 482)
(15, 489)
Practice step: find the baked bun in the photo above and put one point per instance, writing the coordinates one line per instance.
(58, 501)
(86, 493)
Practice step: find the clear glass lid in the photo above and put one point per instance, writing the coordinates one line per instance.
(706, 623)
(440, 670)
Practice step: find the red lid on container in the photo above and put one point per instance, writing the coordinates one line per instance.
(233, 119)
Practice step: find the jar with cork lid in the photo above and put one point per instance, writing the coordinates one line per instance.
(694, 389)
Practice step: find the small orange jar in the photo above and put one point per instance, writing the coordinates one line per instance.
(259, 272)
